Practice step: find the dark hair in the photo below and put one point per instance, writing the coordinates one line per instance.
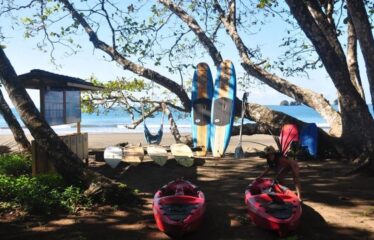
(273, 163)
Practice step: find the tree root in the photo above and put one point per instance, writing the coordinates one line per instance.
(363, 162)
(104, 190)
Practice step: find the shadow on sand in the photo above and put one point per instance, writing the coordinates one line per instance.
(223, 182)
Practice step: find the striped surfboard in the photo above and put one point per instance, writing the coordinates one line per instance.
(201, 97)
(223, 108)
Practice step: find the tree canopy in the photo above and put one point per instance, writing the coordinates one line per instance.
(162, 40)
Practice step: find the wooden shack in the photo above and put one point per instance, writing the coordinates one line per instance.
(60, 103)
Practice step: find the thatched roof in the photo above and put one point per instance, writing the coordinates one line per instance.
(38, 79)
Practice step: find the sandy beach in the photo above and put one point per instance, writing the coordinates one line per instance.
(102, 140)
(335, 207)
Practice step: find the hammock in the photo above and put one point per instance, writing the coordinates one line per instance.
(153, 138)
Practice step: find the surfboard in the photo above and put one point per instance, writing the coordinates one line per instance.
(223, 108)
(201, 98)
(132, 155)
(182, 154)
(309, 138)
(113, 156)
(289, 134)
(158, 154)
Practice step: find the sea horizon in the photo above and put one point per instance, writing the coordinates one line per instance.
(115, 121)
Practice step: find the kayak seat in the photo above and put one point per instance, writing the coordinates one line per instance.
(167, 192)
(178, 212)
(275, 198)
(190, 192)
(179, 191)
(279, 210)
(255, 190)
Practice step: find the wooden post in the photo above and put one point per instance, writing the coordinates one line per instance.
(78, 127)
(42, 99)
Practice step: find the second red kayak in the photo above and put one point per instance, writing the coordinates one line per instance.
(273, 206)
(178, 208)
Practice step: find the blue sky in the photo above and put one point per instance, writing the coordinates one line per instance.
(24, 56)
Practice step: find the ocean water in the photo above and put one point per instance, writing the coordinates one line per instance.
(116, 120)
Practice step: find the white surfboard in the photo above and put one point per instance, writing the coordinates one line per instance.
(158, 154)
(133, 155)
(182, 154)
(113, 156)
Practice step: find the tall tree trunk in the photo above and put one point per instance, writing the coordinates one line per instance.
(13, 124)
(358, 124)
(365, 37)
(353, 68)
(64, 160)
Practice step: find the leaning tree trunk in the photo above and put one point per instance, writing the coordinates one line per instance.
(357, 122)
(64, 160)
(13, 124)
(365, 37)
(352, 58)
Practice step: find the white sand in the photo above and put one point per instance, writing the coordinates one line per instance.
(102, 140)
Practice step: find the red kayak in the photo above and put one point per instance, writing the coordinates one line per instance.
(273, 206)
(289, 134)
(178, 208)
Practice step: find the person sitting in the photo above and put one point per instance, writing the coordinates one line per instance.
(281, 165)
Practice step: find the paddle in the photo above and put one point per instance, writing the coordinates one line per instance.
(276, 139)
(239, 153)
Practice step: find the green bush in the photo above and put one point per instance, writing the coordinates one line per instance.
(15, 164)
(51, 180)
(72, 198)
(6, 187)
(44, 194)
(35, 196)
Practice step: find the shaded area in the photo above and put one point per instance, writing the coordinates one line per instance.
(341, 200)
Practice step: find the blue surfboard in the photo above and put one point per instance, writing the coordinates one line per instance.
(309, 138)
(223, 108)
(201, 98)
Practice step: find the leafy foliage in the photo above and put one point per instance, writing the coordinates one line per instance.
(128, 95)
(118, 93)
(15, 164)
(45, 194)
(72, 198)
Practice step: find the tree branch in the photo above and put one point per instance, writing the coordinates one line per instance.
(195, 27)
(352, 58)
(109, 23)
(136, 123)
(326, 25)
(126, 63)
(13, 124)
(306, 96)
(329, 6)
(271, 122)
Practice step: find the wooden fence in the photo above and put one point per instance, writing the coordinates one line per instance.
(41, 162)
